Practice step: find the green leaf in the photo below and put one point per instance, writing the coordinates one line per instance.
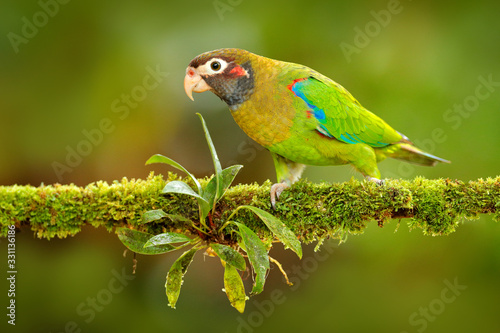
(227, 177)
(167, 238)
(209, 193)
(179, 187)
(175, 275)
(210, 190)
(215, 158)
(279, 229)
(234, 288)
(257, 255)
(135, 240)
(176, 218)
(229, 255)
(153, 215)
(158, 158)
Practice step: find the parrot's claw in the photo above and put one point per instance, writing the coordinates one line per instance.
(276, 190)
(379, 182)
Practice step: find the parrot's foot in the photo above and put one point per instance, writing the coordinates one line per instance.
(375, 180)
(276, 190)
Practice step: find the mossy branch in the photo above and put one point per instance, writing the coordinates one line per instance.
(312, 211)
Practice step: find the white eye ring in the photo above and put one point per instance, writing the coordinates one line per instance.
(215, 66)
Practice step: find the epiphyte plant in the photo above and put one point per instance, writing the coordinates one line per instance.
(244, 242)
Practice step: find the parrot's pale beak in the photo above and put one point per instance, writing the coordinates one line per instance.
(194, 82)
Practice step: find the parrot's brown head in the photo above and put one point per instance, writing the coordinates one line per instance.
(226, 72)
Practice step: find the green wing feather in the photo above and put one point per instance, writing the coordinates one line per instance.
(339, 115)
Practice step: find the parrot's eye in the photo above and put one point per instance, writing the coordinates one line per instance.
(215, 66)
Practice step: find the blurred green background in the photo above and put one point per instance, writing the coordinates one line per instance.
(414, 63)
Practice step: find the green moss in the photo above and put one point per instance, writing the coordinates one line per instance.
(312, 211)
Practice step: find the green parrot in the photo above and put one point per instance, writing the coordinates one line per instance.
(301, 116)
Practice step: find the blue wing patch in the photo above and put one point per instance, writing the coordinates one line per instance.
(298, 88)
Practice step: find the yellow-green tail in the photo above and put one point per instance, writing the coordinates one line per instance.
(412, 154)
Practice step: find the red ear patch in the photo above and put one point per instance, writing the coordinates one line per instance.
(238, 71)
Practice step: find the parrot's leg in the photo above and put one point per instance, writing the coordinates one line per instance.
(276, 190)
(287, 172)
(375, 180)
(366, 163)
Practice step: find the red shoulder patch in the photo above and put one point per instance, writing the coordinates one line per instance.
(290, 86)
